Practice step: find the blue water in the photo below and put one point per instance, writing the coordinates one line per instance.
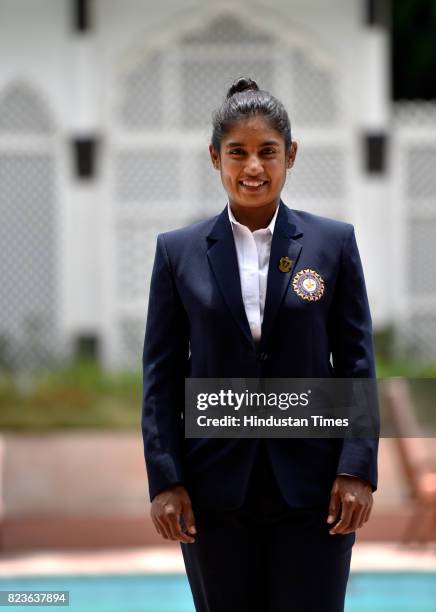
(367, 592)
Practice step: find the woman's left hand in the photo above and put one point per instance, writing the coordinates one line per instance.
(353, 496)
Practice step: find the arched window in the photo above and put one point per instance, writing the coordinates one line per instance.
(28, 293)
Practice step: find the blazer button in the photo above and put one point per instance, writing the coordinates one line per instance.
(263, 356)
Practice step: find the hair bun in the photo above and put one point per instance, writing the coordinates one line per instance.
(242, 84)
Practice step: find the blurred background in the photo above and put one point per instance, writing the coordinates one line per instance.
(105, 120)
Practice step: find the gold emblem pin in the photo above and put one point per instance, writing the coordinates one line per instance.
(285, 264)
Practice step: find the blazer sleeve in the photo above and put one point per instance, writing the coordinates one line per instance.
(353, 354)
(165, 357)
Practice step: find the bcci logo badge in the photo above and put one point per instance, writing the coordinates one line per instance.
(308, 284)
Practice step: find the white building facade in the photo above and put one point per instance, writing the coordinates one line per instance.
(105, 121)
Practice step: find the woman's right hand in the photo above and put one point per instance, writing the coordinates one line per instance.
(166, 510)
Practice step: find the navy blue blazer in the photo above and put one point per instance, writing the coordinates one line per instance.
(197, 327)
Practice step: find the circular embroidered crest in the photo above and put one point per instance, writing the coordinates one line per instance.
(308, 284)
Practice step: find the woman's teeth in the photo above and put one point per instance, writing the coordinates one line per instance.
(253, 183)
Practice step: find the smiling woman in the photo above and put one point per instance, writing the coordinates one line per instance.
(259, 290)
(252, 152)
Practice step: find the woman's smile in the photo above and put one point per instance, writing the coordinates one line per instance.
(251, 185)
(253, 161)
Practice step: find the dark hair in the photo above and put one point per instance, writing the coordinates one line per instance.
(244, 99)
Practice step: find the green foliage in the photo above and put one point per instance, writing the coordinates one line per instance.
(409, 368)
(388, 363)
(80, 395)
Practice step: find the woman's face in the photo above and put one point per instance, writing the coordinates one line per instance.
(253, 162)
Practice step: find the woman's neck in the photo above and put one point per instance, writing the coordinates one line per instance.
(254, 218)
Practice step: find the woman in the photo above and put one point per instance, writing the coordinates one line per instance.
(258, 291)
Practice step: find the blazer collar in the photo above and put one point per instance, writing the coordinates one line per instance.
(284, 244)
(224, 262)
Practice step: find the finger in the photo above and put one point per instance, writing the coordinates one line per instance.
(368, 510)
(346, 515)
(171, 527)
(356, 519)
(163, 528)
(172, 520)
(167, 517)
(184, 536)
(343, 526)
(367, 514)
(334, 506)
(176, 530)
(156, 525)
(356, 507)
(189, 518)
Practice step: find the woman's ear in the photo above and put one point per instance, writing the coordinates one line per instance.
(214, 157)
(291, 155)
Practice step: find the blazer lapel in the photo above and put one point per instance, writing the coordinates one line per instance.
(224, 262)
(283, 245)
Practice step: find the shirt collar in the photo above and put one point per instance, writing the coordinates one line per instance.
(271, 224)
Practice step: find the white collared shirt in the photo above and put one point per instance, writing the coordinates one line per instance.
(253, 250)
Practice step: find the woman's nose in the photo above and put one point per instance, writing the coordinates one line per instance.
(254, 165)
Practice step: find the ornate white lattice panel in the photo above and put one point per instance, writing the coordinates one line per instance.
(421, 173)
(23, 111)
(204, 81)
(131, 338)
(414, 184)
(150, 176)
(28, 292)
(209, 187)
(143, 95)
(135, 252)
(315, 99)
(422, 263)
(319, 172)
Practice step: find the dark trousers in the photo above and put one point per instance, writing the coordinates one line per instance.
(266, 556)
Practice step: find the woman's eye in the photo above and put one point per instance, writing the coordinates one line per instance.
(236, 152)
(268, 151)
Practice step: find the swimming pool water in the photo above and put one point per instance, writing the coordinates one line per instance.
(393, 592)
(367, 592)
